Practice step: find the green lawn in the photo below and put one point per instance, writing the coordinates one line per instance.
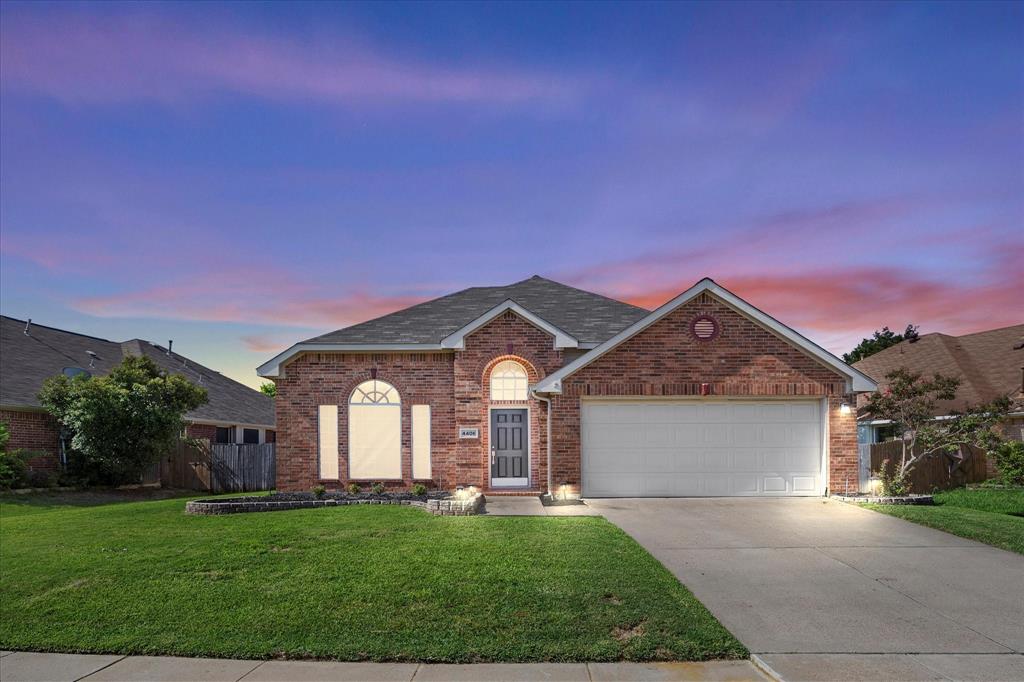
(992, 516)
(351, 583)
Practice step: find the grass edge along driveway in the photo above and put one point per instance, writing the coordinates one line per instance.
(350, 583)
(990, 515)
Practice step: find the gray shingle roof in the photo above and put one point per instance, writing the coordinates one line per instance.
(589, 317)
(27, 360)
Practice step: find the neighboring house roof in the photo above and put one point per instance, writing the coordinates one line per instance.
(26, 360)
(577, 319)
(989, 364)
(856, 380)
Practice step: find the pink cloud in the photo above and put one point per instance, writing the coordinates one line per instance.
(839, 305)
(83, 60)
(839, 272)
(264, 343)
(243, 296)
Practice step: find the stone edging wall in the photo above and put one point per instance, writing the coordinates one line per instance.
(877, 499)
(240, 505)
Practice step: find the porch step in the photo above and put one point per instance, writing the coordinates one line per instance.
(514, 492)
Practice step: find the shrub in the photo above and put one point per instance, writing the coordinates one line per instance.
(894, 484)
(378, 488)
(318, 491)
(419, 490)
(14, 469)
(354, 488)
(121, 423)
(1009, 458)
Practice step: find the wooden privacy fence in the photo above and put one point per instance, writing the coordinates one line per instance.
(242, 468)
(938, 472)
(219, 467)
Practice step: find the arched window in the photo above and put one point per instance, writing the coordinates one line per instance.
(374, 392)
(509, 381)
(375, 431)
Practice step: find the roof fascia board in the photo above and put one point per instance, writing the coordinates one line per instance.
(228, 422)
(856, 381)
(457, 340)
(271, 367)
(22, 408)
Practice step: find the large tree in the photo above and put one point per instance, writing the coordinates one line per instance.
(880, 340)
(121, 423)
(909, 401)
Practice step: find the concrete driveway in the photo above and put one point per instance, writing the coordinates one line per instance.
(812, 576)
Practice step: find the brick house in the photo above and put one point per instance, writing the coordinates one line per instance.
(539, 387)
(30, 353)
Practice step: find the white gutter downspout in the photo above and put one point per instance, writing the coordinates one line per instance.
(548, 401)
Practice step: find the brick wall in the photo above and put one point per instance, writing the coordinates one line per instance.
(744, 359)
(315, 379)
(34, 431)
(207, 431)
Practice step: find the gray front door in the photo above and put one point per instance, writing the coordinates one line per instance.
(508, 447)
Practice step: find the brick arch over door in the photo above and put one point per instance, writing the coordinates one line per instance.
(536, 414)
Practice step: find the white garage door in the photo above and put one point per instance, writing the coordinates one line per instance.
(697, 448)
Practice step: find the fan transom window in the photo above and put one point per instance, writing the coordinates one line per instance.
(374, 392)
(509, 381)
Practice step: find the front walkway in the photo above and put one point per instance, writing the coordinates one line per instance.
(39, 667)
(531, 506)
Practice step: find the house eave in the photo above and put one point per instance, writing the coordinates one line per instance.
(228, 422)
(272, 367)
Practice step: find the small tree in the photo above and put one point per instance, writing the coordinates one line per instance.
(269, 388)
(121, 423)
(880, 340)
(909, 402)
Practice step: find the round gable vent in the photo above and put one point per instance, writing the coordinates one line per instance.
(704, 328)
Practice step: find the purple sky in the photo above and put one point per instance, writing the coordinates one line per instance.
(239, 177)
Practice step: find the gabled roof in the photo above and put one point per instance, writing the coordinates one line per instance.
(26, 360)
(989, 363)
(575, 317)
(588, 317)
(855, 379)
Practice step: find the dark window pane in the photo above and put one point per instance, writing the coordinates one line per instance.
(225, 434)
(250, 435)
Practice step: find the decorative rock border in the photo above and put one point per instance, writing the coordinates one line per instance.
(242, 505)
(878, 499)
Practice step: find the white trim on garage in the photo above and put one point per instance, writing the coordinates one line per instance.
(856, 380)
(700, 447)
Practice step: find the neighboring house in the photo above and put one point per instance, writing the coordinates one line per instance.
(990, 365)
(30, 353)
(537, 386)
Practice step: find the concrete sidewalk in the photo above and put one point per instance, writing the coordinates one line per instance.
(42, 667)
(532, 506)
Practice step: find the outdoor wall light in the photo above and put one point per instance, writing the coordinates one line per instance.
(844, 408)
(563, 488)
(460, 492)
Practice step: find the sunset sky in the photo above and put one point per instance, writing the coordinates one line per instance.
(240, 177)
